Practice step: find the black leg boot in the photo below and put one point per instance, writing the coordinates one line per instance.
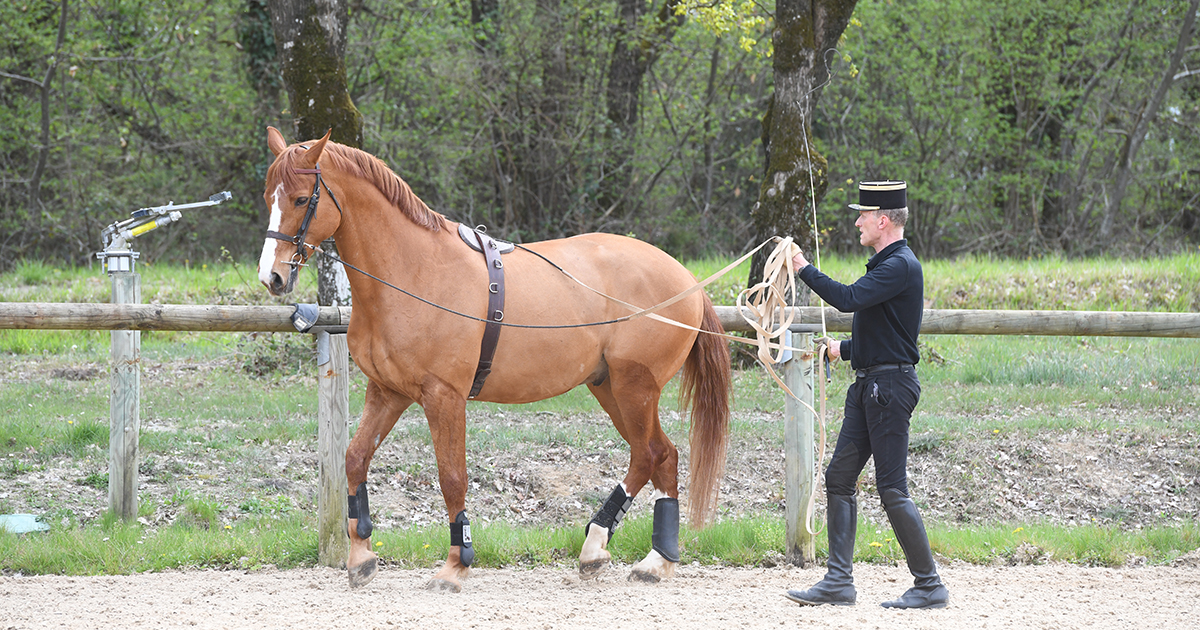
(928, 590)
(837, 587)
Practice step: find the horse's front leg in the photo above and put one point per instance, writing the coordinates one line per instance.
(380, 412)
(446, 411)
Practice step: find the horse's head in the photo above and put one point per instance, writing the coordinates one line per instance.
(302, 214)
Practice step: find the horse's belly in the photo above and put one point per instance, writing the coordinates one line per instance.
(531, 373)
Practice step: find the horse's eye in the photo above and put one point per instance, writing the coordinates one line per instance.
(300, 201)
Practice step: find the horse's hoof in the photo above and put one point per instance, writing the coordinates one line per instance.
(593, 569)
(644, 576)
(363, 573)
(445, 586)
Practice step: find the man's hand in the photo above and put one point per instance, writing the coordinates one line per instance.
(798, 262)
(835, 347)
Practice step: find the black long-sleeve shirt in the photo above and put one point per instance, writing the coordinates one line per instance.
(887, 303)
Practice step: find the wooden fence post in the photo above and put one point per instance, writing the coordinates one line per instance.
(799, 468)
(124, 402)
(333, 420)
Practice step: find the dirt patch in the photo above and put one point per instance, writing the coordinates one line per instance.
(1048, 596)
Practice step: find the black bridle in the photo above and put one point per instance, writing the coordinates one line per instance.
(302, 247)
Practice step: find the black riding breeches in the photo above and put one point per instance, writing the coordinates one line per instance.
(878, 409)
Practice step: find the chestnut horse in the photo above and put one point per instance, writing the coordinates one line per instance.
(413, 352)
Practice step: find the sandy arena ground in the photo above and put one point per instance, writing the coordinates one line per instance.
(1055, 596)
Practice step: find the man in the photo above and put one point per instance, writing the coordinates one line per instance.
(887, 304)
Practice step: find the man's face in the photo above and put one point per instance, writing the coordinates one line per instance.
(870, 227)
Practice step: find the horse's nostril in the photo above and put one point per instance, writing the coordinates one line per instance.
(276, 282)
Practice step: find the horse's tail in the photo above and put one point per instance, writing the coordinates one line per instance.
(705, 388)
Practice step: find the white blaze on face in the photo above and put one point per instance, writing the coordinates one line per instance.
(267, 260)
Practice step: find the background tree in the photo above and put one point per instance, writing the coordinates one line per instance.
(1144, 116)
(310, 38)
(140, 110)
(796, 175)
(1009, 118)
(636, 47)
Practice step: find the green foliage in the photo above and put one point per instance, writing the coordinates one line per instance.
(84, 432)
(196, 512)
(1006, 118)
(99, 481)
(147, 105)
(1089, 545)
(746, 20)
(1167, 284)
(728, 541)
(33, 272)
(257, 38)
(290, 541)
(32, 342)
(119, 548)
(276, 353)
(13, 468)
(275, 508)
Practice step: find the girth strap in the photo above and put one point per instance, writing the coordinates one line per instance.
(495, 311)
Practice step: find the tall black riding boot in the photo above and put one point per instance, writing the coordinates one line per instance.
(837, 587)
(928, 590)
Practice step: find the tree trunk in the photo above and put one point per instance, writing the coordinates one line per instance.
(257, 39)
(35, 181)
(634, 52)
(310, 37)
(548, 191)
(796, 174)
(1133, 143)
(485, 25)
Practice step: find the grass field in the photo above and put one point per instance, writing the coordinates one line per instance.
(230, 397)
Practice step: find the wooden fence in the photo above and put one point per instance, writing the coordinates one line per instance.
(57, 316)
(333, 380)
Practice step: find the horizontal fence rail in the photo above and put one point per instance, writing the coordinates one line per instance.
(984, 322)
(181, 317)
(69, 316)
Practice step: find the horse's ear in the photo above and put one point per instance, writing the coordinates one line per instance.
(275, 141)
(313, 153)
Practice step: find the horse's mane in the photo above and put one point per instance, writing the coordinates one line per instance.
(360, 164)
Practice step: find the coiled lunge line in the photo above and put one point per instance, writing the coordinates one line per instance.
(768, 301)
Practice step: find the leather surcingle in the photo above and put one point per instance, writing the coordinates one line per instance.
(492, 249)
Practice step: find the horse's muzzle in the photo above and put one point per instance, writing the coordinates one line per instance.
(277, 286)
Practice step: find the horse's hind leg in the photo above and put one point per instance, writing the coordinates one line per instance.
(660, 562)
(630, 396)
(383, 407)
(594, 557)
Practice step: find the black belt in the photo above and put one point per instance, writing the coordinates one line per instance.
(882, 367)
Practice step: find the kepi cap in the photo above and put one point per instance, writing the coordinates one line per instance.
(884, 195)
